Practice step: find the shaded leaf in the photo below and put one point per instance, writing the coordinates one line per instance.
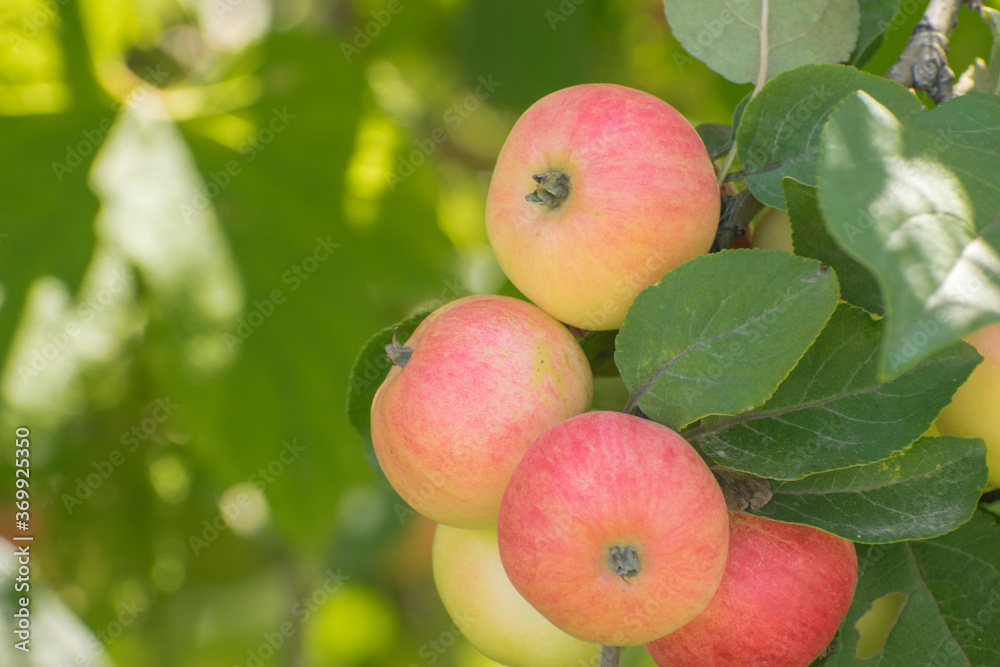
(951, 613)
(717, 334)
(926, 490)
(857, 285)
(833, 411)
(599, 346)
(715, 136)
(779, 134)
(911, 200)
(876, 17)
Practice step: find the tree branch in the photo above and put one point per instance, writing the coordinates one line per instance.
(923, 64)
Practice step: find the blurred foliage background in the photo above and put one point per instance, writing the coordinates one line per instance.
(206, 207)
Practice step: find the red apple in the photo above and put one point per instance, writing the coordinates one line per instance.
(598, 191)
(614, 529)
(487, 374)
(785, 592)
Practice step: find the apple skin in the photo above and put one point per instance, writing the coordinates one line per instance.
(603, 481)
(643, 199)
(488, 610)
(773, 231)
(487, 375)
(786, 590)
(973, 412)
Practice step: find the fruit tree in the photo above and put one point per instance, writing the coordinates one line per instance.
(802, 428)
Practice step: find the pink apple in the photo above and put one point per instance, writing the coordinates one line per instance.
(598, 191)
(973, 412)
(614, 529)
(785, 592)
(486, 376)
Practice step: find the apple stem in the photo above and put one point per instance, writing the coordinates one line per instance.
(398, 354)
(624, 561)
(610, 656)
(552, 190)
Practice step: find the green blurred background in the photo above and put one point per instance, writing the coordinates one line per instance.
(206, 208)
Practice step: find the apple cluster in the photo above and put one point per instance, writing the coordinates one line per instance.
(563, 529)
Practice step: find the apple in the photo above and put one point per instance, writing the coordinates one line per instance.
(784, 594)
(598, 191)
(614, 529)
(492, 615)
(973, 412)
(773, 231)
(479, 380)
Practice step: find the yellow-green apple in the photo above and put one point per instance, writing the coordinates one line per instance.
(475, 384)
(614, 529)
(488, 610)
(973, 411)
(773, 231)
(598, 191)
(784, 594)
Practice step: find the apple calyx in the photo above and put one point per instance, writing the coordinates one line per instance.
(552, 190)
(398, 354)
(624, 561)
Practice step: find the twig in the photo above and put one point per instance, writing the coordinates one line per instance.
(610, 656)
(923, 64)
(761, 80)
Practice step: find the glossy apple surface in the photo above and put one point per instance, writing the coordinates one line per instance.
(486, 376)
(614, 529)
(491, 614)
(638, 198)
(784, 594)
(974, 411)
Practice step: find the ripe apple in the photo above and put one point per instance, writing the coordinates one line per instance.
(598, 191)
(973, 412)
(784, 594)
(486, 375)
(614, 529)
(488, 610)
(773, 231)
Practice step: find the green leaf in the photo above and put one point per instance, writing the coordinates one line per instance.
(779, 134)
(727, 36)
(810, 238)
(369, 370)
(833, 411)
(741, 106)
(926, 490)
(718, 334)
(876, 17)
(915, 200)
(715, 136)
(951, 613)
